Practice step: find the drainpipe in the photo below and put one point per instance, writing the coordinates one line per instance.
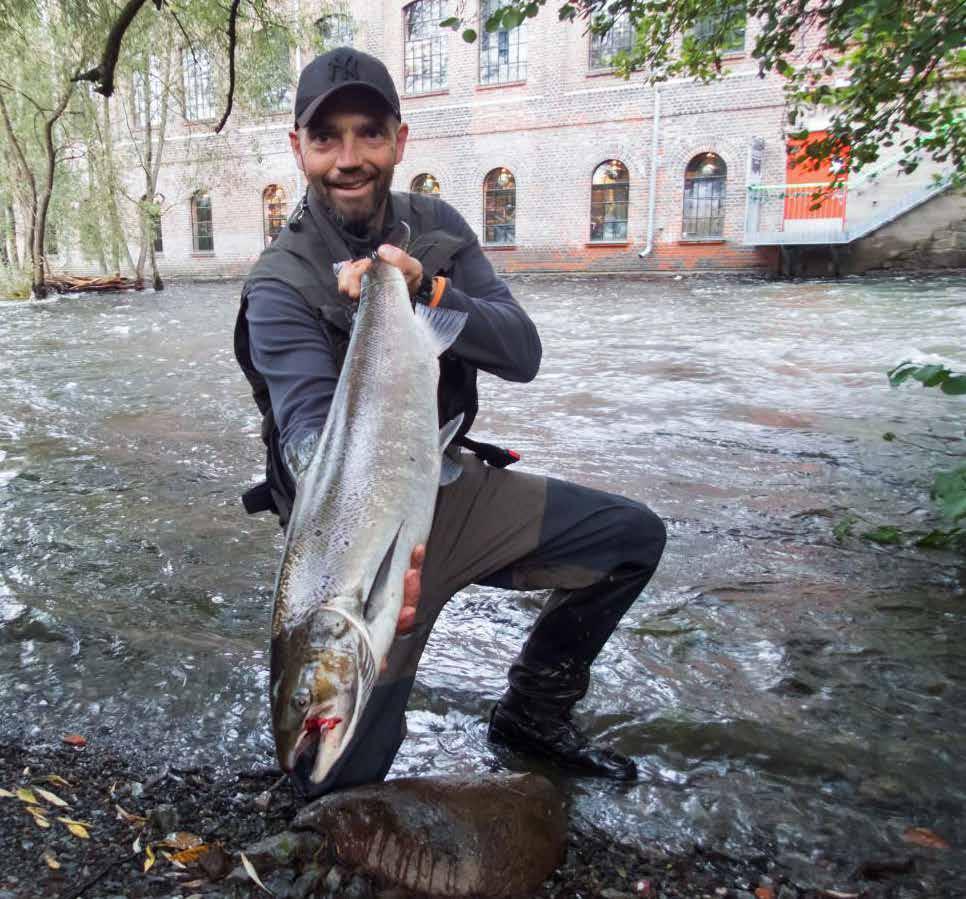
(298, 172)
(652, 185)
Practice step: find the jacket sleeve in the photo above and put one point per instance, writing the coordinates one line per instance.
(293, 355)
(499, 336)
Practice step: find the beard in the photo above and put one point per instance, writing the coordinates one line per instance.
(359, 216)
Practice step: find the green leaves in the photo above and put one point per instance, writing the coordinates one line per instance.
(949, 492)
(931, 375)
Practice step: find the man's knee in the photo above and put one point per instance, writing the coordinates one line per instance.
(642, 536)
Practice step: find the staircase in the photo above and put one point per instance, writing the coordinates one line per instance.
(801, 215)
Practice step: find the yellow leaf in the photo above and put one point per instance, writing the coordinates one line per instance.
(52, 798)
(72, 821)
(150, 858)
(51, 860)
(25, 795)
(41, 822)
(172, 859)
(6, 794)
(76, 828)
(250, 869)
(57, 779)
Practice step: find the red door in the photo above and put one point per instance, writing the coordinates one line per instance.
(801, 204)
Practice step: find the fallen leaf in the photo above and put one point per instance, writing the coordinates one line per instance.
(51, 860)
(191, 855)
(250, 870)
(835, 894)
(181, 840)
(149, 852)
(6, 794)
(129, 818)
(77, 828)
(171, 859)
(74, 740)
(39, 819)
(136, 848)
(26, 795)
(56, 779)
(73, 821)
(191, 884)
(52, 798)
(764, 893)
(921, 836)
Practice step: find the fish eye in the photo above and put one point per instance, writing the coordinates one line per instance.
(301, 699)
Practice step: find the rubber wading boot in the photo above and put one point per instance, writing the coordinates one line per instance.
(553, 735)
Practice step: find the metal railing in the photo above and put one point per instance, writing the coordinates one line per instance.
(811, 213)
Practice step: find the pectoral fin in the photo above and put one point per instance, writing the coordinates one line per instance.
(378, 592)
(445, 325)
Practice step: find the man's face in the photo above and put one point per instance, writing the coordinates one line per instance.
(348, 152)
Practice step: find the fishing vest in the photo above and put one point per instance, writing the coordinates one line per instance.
(302, 257)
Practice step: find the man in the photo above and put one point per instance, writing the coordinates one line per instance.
(492, 526)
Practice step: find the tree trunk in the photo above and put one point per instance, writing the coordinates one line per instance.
(13, 252)
(28, 179)
(119, 241)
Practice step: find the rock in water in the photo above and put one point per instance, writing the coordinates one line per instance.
(495, 836)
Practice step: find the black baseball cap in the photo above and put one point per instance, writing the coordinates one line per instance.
(340, 68)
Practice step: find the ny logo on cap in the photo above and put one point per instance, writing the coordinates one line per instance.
(345, 67)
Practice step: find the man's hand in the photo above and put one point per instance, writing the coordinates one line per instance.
(412, 584)
(350, 275)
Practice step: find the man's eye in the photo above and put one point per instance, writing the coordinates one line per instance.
(372, 133)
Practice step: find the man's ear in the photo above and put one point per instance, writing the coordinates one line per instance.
(293, 139)
(401, 136)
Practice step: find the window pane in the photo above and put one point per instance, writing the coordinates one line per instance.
(609, 197)
(503, 54)
(198, 91)
(271, 75)
(335, 30)
(603, 48)
(201, 225)
(732, 23)
(425, 50)
(704, 194)
(141, 97)
(425, 184)
(499, 207)
(273, 206)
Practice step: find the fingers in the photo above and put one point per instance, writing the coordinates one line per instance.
(411, 268)
(412, 585)
(350, 277)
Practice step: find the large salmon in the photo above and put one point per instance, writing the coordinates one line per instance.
(365, 499)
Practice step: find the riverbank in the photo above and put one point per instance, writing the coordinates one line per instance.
(124, 827)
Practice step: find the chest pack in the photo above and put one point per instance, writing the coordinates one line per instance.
(302, 257)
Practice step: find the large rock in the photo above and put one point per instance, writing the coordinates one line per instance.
(491, 836)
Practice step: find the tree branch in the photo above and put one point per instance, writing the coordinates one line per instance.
(232, 40)
(103, 73)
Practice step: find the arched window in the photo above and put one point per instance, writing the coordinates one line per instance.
(202, 233)
(609, 191)
(424, 54)
(273, 212)
(499, 207)
(425, 184)
(704, 195)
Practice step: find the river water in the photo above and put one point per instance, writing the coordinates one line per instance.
(784, 693)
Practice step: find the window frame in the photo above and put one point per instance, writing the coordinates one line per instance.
(199, 102)
(197, 223)
(269, 217)
(433, 46)
(515, 38)
(717, 186)
(512, 193)
(707, 25)
(597, 43)
(426, 175)
(624, 187)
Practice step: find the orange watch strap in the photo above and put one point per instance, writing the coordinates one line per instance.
(439, 287)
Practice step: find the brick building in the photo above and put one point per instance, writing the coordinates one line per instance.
(556, 162)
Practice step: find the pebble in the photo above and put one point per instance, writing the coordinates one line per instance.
(787, 892)
(307, 882)
(164, 818)
(357, 888)
(333, 880)
(263, 801)
(136, 789)
(616, 894)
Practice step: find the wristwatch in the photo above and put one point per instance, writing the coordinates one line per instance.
(430, 290)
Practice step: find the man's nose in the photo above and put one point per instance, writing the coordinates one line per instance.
(348, 157)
